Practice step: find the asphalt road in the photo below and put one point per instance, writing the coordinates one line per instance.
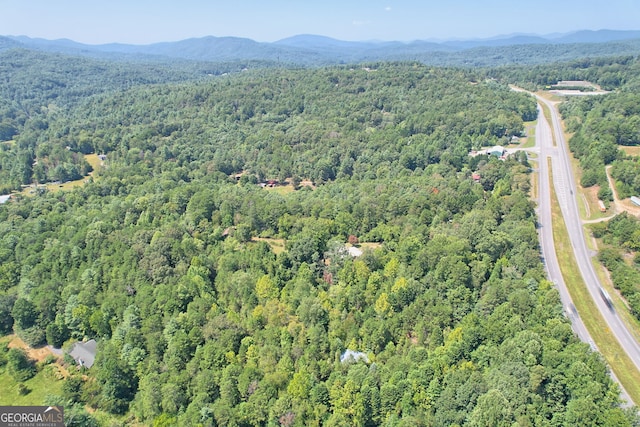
(564, 185)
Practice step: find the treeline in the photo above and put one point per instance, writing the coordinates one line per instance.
(608, 72)
(202, 319)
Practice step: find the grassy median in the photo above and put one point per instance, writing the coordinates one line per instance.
(608, 345)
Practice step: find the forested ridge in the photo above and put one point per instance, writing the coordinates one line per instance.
(169, 255)
(35, 87)
(315, 51)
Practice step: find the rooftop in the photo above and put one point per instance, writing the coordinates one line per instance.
(84, 353)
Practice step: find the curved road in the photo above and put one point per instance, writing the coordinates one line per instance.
(564, 184)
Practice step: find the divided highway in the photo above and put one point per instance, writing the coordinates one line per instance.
(564, 185)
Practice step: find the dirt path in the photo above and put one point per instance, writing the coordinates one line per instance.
(37, 354)
(617, 205)
(621, 205)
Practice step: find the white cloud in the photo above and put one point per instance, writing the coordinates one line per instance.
(388, 8)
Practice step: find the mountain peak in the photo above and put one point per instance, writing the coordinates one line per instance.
(308, 49)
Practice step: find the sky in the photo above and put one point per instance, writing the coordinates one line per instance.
(150, 21)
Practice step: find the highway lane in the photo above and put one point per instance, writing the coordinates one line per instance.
(564, 185)
(544, 140)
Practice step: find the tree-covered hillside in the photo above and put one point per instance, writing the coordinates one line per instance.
(36, 87)
(218, 301)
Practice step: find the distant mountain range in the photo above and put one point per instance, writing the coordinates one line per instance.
(308, 50)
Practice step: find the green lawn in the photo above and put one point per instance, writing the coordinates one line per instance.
(281, 189)
(547, 115)
(45, 383)
(41, 386)
(530, 140)
(92, 159)
(277, 245)
(630, 150)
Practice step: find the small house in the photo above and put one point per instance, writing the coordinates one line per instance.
(497, 151)
(354, 251)
(84, 353)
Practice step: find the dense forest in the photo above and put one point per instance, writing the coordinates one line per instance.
(37, 86)
(216, 300)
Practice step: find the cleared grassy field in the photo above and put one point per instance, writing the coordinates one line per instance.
(45, 383)
(281, 189)
(630, 151)
(530, 140)
(92, 159)
(370, 245)
(95, 163)
(40, 386)
(277, 245)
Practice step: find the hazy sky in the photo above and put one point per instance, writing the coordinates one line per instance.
(148, 21)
